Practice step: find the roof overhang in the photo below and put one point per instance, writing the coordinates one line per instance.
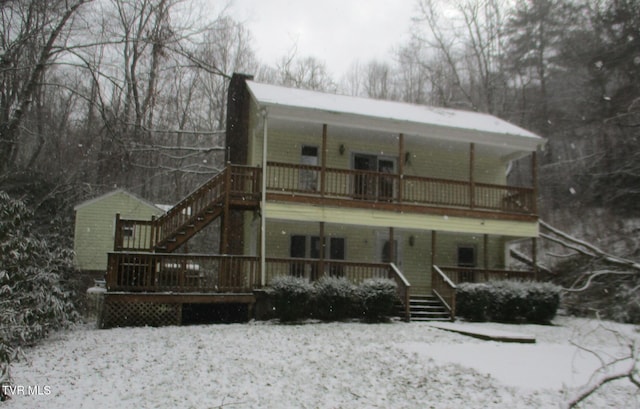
(393, 117)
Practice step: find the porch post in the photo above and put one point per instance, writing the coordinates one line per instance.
(534, 181)
(323, 174)
(433, 248)
(322, 255)
(392, 247)
(485, 249)
(263, 203)
(400, 166)
(534, 257)
(472, 187)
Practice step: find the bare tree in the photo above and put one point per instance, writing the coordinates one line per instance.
(33, 33)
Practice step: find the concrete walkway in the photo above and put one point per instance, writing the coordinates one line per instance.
(489, 334)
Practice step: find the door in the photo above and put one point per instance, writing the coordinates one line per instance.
(466, 259)
(308, 178)
(386, 179)
(298, 249)
(336, 252)
(364, 183)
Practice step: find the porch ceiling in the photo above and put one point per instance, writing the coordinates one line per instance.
(380, 218)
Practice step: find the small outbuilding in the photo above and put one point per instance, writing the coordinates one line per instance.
(95, 225)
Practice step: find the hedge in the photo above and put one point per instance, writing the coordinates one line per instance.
(508, 301)
(332, 299)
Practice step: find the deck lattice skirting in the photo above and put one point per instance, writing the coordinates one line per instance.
(133, 314)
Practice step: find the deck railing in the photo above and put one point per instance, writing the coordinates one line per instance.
(391, 188)
(239, 185)
(181, 273)
(445, 289)
(444, 280)
(403, 289)
(480, 275)
(157, 272)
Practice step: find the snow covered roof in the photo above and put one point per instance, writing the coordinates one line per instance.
(421, 120)
(112, 193)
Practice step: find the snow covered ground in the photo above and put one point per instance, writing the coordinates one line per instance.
(317, 365)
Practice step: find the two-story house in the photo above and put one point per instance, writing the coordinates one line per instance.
(323, 184)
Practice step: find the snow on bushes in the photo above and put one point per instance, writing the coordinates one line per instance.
(508, 301)
(377, 297)
(332, 299)
(34, 300)
(291, 297)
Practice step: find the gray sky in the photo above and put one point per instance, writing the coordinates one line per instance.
(338, 32)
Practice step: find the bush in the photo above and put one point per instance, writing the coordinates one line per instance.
(508, 301)
(35, 300)
(291, 297)
(334, 298)
(377, 297)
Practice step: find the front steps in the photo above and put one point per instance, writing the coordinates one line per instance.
(427, 308)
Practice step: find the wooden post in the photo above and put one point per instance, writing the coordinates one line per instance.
(117, 239)
(472, 187)
(534, 181)
(392, 247)
(534, 257)
(224, 223)
(320, 271)
(400, 167)
(323, 174)
(433, 248)
(485, 249)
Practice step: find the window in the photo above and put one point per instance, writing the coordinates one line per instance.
(309, 247)
(466, 256)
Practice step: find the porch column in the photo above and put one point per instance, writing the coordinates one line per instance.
(263, 203)
(323, 175)
(534, 181)
(485, 256)
(400, 166)
(322, 255)
(534, 257)
(472, 187)
(433, 248)
(392, 247)
(485, 245)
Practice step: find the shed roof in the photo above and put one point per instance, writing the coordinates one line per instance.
(432, 122)
(115, 192)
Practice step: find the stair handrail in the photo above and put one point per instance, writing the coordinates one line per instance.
(404, 288)
(449, 302)
(185, 203)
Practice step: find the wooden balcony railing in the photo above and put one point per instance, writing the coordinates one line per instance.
(237, 186)
(157, 272)
(189, 273)
(391, 188)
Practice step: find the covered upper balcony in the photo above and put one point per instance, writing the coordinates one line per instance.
(342, 151)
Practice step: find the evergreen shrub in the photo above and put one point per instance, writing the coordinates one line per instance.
(508, 301)
(377, 297)
(291, 297)
(334, 298)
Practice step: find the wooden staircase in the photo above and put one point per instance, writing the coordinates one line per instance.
(427, 308)
(236, 187)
